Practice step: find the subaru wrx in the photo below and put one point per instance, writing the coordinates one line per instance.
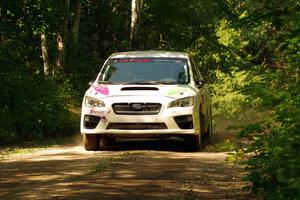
(147, 94)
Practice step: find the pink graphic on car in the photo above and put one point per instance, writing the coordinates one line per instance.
(103, 89)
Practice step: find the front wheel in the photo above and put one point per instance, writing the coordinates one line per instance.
(106, 142)
(207, 134)
(91, 142)
(193, 142)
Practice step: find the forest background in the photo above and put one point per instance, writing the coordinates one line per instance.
(247, 50)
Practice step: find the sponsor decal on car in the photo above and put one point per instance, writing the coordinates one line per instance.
(103, 114)
(102, 89)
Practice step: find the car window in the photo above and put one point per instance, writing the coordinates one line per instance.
(169, 70)
(196, 71)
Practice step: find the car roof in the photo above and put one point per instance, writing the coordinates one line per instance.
(145, 54)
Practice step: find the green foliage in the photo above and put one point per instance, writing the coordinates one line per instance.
(248, 50)
(275, 166)
(36, 106)
(33, 108)
(269, 46)
(229, 98)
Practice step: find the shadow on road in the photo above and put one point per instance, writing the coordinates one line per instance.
(72, 173)
(171, 144)
(130, 169)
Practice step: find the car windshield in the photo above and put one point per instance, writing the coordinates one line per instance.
(145, 71)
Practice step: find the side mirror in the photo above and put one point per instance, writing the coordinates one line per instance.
(200, 83)
(91, 82)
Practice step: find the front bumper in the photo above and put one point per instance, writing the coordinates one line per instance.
(168, 120)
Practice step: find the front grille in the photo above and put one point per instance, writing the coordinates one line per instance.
(137, 126)
(136, 108)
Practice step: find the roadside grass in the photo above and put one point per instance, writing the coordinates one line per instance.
(33, 146)
(72, 137)
(5, 152)
(224, 146)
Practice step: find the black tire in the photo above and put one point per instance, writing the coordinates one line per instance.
(106, 142)
(207, 134)
(91, 142)
(193, 142)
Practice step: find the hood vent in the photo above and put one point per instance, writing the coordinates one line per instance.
(139, 88)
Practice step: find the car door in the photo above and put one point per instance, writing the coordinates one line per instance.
(204, 95)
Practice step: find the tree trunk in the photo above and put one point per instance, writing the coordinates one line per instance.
(135, 11)
(60, 39)
(75, 29)
(60, 57)
(44, 48)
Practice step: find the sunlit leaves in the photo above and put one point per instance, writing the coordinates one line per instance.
(229, 36)
(228, 96)
(272, 31)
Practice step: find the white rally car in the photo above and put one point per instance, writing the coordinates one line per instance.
(147, 94)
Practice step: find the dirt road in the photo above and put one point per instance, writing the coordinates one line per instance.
(159, 169)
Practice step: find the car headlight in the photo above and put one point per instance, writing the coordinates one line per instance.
(93, 102)
(185, 102)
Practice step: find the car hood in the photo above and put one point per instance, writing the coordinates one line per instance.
(172, 91)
